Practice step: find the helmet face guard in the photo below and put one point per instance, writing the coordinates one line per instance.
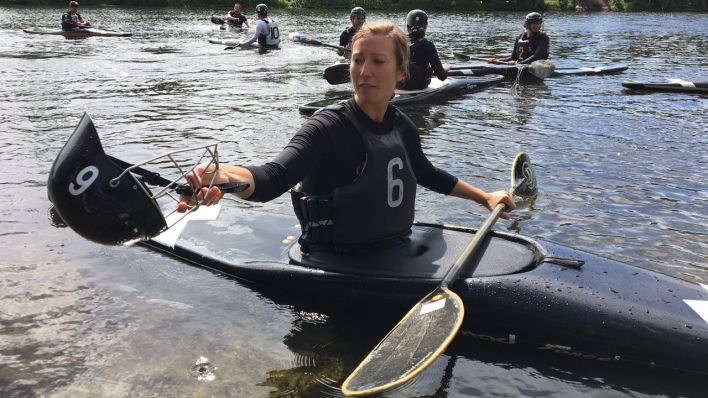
(357, 11)
(107, 200)
(531, 18)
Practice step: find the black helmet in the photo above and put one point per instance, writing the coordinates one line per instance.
(417, 18)
(86, 193)
(357, 11)
(533, 17)
(262, 9)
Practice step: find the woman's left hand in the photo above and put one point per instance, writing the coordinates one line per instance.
(494, 198)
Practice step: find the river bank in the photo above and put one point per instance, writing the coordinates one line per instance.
(384, 5)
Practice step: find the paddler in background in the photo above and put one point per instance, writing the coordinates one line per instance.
(336, 160)
(357, 17)
(531, 45)
(236, 19)
(72, 20)
(425, 60)
(267, 34)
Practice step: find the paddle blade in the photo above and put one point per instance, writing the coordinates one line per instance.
(217, 19)
(523, 179)
(413, 344)
(299, 37)
(461, 57)
(542, 68)
(337, 73)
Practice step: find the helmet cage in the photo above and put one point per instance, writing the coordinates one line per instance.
(357, 11)
(532, 17)
(107, 200)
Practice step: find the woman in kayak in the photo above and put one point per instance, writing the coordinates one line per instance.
(357, 17)
(424, 55)
(356, 164)
(236, 19)
(71, 20)
(531, 45)
(267, 34)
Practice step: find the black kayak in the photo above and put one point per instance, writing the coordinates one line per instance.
(675, 85)
(77, 32)
(591, 70)
(437, 90)
(512, 71)
(516, 291)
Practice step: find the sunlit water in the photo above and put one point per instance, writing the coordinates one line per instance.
(621, 174)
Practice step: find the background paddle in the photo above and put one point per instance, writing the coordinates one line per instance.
(464, 58)
(429, 327)
(308, 39)
(337, 73)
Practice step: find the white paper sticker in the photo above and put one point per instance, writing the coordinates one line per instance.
(170, 236)
(700, 306)
(431, 306)
(682, 83)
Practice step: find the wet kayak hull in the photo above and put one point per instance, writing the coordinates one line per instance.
(674, 85)
(520, 291)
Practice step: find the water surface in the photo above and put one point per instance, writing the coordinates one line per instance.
(621, 174)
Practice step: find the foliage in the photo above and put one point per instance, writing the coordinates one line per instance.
(666, 5)
(618, 5)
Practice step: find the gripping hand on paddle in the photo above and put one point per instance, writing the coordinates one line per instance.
(210, 184)
(487, 199)
(494, 198)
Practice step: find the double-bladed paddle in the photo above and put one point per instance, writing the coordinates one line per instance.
(308, 39)
(339, 72)
(464, 58)
(429, 327)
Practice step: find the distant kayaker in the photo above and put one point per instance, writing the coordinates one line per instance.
(236, 19)
(356, 164)
(267, 34)
(72, 20)
(357, 17)
(425, 60)
(531, 45)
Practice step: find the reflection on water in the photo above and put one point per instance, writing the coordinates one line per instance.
(620, 174)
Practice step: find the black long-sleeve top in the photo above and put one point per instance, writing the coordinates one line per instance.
(330, 153)
(527, 50)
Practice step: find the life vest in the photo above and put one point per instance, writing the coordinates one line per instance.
(272, 39)
(377, 206)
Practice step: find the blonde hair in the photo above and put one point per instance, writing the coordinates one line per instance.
(388, 29)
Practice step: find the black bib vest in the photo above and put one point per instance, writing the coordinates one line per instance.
(377, 206)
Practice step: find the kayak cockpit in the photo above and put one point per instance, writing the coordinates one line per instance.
(427, 253)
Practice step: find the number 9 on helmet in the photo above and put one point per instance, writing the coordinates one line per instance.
(106, 200)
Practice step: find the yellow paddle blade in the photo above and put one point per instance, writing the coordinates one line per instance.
(413, 344)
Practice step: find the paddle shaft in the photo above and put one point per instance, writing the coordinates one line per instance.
(454, 272)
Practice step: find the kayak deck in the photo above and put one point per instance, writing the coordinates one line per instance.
(518, 291)
(672, 85)
(592, 70)
(437, 90)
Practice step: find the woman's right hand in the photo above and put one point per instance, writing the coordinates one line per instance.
(199, 179)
